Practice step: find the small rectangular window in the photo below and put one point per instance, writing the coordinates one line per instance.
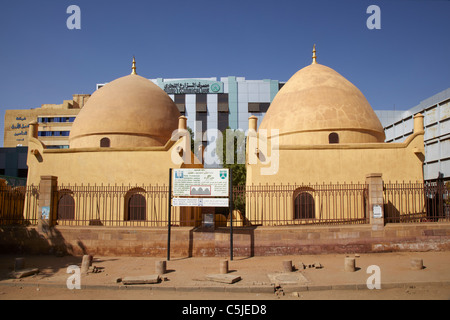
(200, 104)
(222, 100)
(180, 101)
(223, 121)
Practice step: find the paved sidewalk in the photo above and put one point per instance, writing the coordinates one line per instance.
(258, 274)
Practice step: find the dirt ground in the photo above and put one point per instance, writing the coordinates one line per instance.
(330, 282)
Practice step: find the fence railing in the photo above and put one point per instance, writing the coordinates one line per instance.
(113, 205)
(268, 205)
(416, 202)
(19, 205)
(302, 204)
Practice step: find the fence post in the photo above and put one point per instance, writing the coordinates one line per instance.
(47, 203)
(375, 207)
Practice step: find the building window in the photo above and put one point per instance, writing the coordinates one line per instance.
(136, 206)
(222, 102)
(66, 207)
(105, 143)
(180, 101)
(258, 107)
(200, 103)
(22, 173)
(55, 119)
(53, 133)
(304, 207)
(333, 138)
(202, 117)
(222, 121)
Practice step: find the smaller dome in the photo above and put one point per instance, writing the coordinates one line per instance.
(130, 111)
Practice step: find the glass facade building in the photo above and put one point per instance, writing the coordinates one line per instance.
(398, 125)
(214, 104)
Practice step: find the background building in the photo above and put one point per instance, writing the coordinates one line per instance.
(216, 103)
(13, 162)
(398, 125)
(55, 122)
(212, 104)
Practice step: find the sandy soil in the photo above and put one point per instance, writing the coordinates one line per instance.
(49, 284)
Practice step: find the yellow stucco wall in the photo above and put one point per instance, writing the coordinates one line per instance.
(271, 163)
(131, 167)
(339, 163)
(135, 166)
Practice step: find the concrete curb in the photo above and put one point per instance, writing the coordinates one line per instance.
(232, 289)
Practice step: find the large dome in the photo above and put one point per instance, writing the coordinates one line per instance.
(128, 112)
(316, 103)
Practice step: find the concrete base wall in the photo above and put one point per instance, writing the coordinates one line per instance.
(255, 241)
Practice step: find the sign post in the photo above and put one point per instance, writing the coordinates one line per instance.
(201, 188)
(231, 214)
(170, 213)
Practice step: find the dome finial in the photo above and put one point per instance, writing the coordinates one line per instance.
(314, 55)
(133, 68)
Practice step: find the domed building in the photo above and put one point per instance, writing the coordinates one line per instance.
(320, 129)
(128, 112)
(123, 144)
(318, 105)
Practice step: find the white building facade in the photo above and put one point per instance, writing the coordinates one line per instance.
(436, 111)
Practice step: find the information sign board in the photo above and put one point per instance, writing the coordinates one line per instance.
(200, 182)
(200, 202)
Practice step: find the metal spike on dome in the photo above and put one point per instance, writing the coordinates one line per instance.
(314, 55)
(133, 68)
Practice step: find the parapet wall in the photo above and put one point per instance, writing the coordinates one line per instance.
(255, 241)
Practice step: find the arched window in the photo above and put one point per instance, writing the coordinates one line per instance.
(304, 207)
(105, 143)
(136, 207)
(333, 138)
(66, 207)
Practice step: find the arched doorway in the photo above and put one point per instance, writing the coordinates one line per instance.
(304, 207)
(66, 207)
(136, 206)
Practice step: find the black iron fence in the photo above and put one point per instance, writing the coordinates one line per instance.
(416, 202)
(19, 205)
(293, 204)
(269, 205)
(113, 205)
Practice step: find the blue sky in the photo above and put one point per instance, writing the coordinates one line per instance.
(42, 61)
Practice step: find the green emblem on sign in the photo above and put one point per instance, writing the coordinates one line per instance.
(223, 174)
(215, 87)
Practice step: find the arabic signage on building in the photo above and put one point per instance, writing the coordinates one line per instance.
(20, 126)
(192, 86)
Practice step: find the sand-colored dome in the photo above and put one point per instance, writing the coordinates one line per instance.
(318, 101)
(130, 111)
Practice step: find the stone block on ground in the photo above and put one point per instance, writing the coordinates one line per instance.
(223, 278)
(25, 273)
(291, 278)
(148, 279)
